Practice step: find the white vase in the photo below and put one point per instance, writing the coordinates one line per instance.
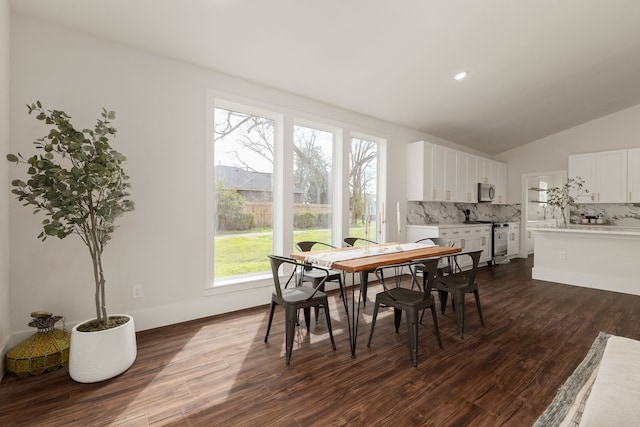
(98, 356)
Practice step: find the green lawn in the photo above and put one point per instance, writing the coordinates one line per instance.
(247, 253)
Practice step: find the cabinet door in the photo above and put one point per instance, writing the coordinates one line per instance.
(420, 171)
(462, 169)
(483, 171)
(513, 241)
(472, 179)
(611, 173)
(633, 175)
(438, 165)
(450, 175)
(500, 181)
(485, 244)
(583, 166)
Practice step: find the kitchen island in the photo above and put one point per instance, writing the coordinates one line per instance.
(600, 257)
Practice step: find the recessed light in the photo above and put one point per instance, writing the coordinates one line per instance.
(461, 75)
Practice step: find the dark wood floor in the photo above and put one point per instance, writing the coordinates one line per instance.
(219, 372)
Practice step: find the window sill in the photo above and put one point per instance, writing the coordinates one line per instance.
(239, 284)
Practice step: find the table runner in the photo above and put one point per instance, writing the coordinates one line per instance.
(328, 258)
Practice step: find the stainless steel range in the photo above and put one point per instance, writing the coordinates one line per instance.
(499, 245)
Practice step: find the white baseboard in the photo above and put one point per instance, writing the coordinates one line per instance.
(587, 280)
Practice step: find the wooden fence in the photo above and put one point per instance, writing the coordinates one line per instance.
(263, 211)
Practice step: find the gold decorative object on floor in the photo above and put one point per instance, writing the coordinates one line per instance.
(44, 351)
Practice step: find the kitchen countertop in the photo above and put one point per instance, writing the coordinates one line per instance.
(593, 229)
(459, 224)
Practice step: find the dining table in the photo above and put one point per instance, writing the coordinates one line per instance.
(362, 259)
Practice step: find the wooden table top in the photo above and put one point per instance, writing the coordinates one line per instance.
(369, 263)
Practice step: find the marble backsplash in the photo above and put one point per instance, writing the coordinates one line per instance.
(426, 213)
(621, 215)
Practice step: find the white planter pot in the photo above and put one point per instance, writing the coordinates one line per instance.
(98, 356)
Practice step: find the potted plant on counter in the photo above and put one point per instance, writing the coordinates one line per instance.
(566, 196)
(76, 179)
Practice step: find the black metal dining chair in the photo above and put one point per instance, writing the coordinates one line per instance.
(291, 296)
(412, 301)
(458, 283)
(364, 276)
(447, 263)
(315, 276)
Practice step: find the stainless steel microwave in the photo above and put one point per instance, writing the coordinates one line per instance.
(486, 192)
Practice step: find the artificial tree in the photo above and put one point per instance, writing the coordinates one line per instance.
(77, 180)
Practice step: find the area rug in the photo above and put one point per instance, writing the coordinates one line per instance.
(567, 405)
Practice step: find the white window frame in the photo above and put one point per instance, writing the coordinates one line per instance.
(284, 120)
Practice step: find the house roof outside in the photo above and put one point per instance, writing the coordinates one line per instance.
(246, 180)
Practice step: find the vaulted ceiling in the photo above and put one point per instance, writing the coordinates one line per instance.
(535, 67)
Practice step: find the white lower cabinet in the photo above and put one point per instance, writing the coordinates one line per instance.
(513, 240)
(466, 237)
(529, 241)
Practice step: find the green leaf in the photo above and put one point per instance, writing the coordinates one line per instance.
(12, 158)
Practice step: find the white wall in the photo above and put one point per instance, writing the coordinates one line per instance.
(160, 117)
(5, 329)
(616, 131)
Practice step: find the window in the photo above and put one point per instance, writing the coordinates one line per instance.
(244, 193)
(363, 186)
(312, 186)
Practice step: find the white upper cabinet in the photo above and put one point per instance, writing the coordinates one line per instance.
(464, 169)
(437, 173)
(471, 189)
(583, 166)
(420, 171)
(633, 175)
(612, 176)
(483, 170)
(604, 173)
(500, 182)
(444, 174)
(439, 167)
(451, 176)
